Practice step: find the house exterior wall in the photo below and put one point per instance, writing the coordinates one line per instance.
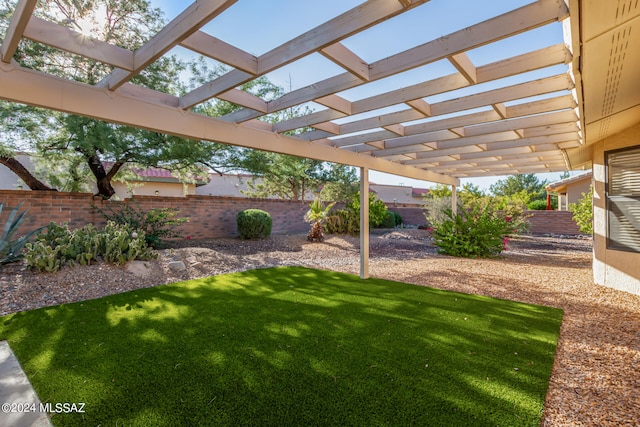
(575, 190)
(611, 268)
(165, 189)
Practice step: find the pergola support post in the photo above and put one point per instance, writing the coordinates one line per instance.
(454, 199)
(364, 223)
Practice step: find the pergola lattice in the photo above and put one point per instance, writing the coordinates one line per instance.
(433, 133)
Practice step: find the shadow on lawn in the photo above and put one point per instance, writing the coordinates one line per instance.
(290, 346)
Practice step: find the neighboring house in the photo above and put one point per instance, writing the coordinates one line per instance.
(398, 194)
(154, 182)
(234, 185)
(151, 182)
(570, 190)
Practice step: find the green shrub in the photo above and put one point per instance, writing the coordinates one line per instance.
(436, 208)
(541, 205)
(58, 246)
(254, 224)
(157, 223)
(342, 221)
(583, 212)
(11, 250)
(472, 233)
(397, 218)
(377, 209)
(389, 220)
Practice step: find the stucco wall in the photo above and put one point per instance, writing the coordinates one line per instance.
(575, 190)
(612, 268)
(164, 189)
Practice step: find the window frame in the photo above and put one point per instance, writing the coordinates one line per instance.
(611, 200)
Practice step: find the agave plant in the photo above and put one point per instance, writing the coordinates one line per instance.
(11, 249)
(316, 214)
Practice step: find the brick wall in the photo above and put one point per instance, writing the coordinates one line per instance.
(212, 217)
(556, 222)
(411, 215)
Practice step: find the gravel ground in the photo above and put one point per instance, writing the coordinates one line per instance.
(596, 375)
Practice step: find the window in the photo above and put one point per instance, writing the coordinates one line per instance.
(623, 199)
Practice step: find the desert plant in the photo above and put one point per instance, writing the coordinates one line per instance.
(472, 233)
(377, 209)
(316, 214)
(58, 246)
(254, 224)
(11, 250)
(157, 223)
(583, 212)
(342, 221)
(119, 244)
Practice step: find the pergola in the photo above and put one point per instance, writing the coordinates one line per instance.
(536, 125)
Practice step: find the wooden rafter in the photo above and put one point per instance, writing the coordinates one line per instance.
(184, 25)
(506, 131)
(355, 20)
(19, 21)
(523, 19)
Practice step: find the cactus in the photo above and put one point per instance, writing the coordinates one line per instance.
(11, 249)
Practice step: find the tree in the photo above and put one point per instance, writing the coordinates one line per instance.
(438, 192)
(86, 147)
(583, 212)
(340, 183)
(515, 184)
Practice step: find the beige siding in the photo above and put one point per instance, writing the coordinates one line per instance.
(165, 189)
(612, 268)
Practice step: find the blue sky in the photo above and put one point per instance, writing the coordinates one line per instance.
(258, 26)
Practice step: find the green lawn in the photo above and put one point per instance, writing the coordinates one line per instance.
(290, 346)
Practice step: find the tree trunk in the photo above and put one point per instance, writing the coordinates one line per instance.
(103, 179)
(24, 174)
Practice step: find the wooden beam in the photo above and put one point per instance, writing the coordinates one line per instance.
(308, 120)
(184, 25)
(541, 58)
(330, 32)
(421, 106)
(525, 18)
(336, 102)
(245, 99)
(397, 129)
(463, 64)
(41, 90)
(501, 109)
(544, 119)
(212, 47)
(509, 24)
(328, 127)
(363, 138)
(524, 90)
(380, 121)
(64, 38)
(421, 138)
(21, 15)
(348, 60)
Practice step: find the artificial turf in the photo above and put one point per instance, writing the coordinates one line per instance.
(290, 346)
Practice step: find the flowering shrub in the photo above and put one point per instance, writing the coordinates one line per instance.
(473, 233)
